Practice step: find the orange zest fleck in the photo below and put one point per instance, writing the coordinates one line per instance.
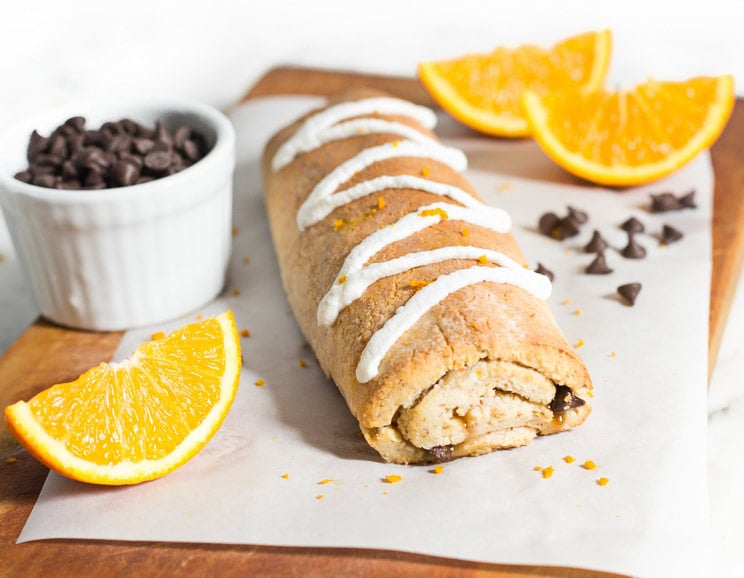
(157, 335)
(425, 172)
(589, 465)
(326, 481)
(285, 476)
(569, 459)
(319, 497)
(236, 292)
(566, 301)
(380, 203)
(548, 472)
(260, 382)
(579, 343)
(392, 479)
(302, 362)
(246, 260)
(603, 481)
(465, 232)
(245, 333)
(10, 460)
(577, 312)
(418, 284)
(337, 224)
(438, 469)
(341, 280)
(537, 468)
(435, 212)
(483, 259)
(234, 231)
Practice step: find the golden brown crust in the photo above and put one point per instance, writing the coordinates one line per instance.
(485, 323)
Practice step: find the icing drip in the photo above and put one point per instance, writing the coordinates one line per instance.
(342, 173)
(407, 315)
(356, 275)
(311, 134)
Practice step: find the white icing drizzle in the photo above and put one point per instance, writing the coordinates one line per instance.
(315, 211)
(423, 300)
(312, 132)
(454, 158)
(355, 283)
(356, 275)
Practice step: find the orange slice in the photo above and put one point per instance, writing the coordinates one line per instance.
(139, 419)
(631, 137)
(483, 91)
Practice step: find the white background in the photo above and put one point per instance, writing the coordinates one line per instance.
(56, 52)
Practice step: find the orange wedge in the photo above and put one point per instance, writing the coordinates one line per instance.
(630, 137)
(139, 419)
(483, 91)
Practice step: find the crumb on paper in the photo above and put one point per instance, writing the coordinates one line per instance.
(245, 333)
(236, 292)
(157, 335)
(503, 187)
(577, 312)
(2, 258)
(260, 382)
(569, 459)
(613, 354)
(603, 481)
(199, 316)
(246, 260)
(566, 301)
(392, 479)
(10, 460)
(303, 363)
(589, 465)
(235, 231)
(438, 469)
(548, 472)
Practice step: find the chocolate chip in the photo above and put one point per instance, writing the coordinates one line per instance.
(597, 244)
(633, 225)
(158, 161)
(192, 150)
(578, 216)
(442, 453)
(58, 147)
(36, 145)
(629, 292)
(664, 202)
(688, 200)
(77, 123)
(568, 228)
(543, 271)
(670, 235)
(69, 170)
(633, 250)
(125, 173)
(143, 145)
(181, 135)
(24, 176)
(564, 400)
(547, 223)
(46, 180)
(598, 266)
(162, 134)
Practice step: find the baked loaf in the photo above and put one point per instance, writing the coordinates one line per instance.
(411, 291)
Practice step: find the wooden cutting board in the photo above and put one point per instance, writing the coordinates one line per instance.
(47, 354)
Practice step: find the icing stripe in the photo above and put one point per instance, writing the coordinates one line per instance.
(423, 300)
(315, 210)
(343, 172)
(491, 218)
(306, 138)
(356, 283)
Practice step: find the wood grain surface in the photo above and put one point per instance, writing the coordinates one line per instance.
(46, 354)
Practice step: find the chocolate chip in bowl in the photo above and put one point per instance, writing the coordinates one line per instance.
(110, 238)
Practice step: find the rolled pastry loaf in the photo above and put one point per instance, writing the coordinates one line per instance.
(411, 291)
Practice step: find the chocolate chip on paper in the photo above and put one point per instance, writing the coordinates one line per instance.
(629, 292)
(598, 266)
(547, 223)
(543, 271)
(597, 243)
(578, 216)
(688, 200)
(670, 235)
(663, 202)
(633, 250)
(633, 225)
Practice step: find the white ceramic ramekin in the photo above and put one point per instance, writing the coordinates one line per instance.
(118, 258)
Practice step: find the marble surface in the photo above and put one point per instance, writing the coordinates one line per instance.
(55, 53)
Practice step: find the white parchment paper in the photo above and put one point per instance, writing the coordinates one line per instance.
(289, 466)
